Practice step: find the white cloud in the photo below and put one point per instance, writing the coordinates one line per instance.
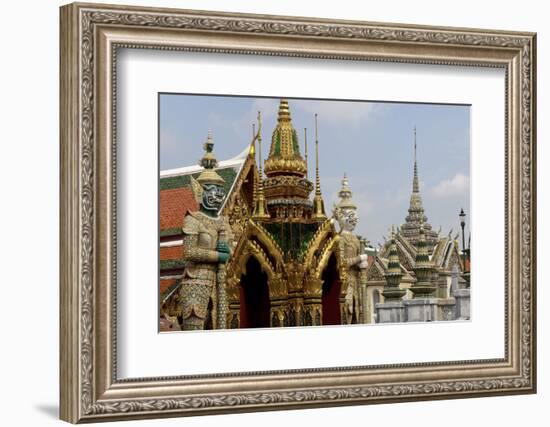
(341, 112)
(457, 185)
(268, 108)
(169, 139)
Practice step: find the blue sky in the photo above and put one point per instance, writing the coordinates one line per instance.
(372, 142)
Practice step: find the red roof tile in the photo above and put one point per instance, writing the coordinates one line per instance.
(174, 204)
(165, 284)
(171, 252)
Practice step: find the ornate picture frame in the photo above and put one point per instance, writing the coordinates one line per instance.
(90, 37)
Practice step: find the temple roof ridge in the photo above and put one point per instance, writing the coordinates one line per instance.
(234, 162)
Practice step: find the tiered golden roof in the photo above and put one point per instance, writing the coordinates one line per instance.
(284, 156)
(286, 187)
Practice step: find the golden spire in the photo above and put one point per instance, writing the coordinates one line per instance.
(318, 203)
(252, 149)
(305, 149)
(252, 154)
(284, 155)
(260, 206)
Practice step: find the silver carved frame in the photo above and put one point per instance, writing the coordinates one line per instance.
(90, 36)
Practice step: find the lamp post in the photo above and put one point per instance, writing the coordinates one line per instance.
(462, 217)
(466, 274)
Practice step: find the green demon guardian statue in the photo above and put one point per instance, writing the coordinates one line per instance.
(206, 250)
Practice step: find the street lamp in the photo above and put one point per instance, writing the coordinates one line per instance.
(462, 217)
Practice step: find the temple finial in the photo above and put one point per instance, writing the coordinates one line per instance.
(284, 111)
(416, 187)
(260, 144)
(317, 179)
(252, 149)
(305, 150)
(260, 206)
(415, 143)
(284, 155)
(318, 204)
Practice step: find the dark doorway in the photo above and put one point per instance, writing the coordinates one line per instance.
(331, 293)
(254, 296)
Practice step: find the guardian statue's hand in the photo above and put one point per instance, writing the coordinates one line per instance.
(222, 246)
(223, 257)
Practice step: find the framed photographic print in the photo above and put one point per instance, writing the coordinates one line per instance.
(267, 212)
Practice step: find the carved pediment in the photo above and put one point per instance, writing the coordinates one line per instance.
(376, 271)
(405, 250)
(323, 234)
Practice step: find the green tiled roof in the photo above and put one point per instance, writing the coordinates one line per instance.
(277, 149)
(169, 264)
(228, 174)
(170, 232)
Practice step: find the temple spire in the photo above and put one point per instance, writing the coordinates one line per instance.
(260, 206)
(416, 187)
(416, 200)
(284, 155)
(285, 185)
(416, 218)
(317, 179)
(305, 150)
(318, 203)
(252, 149)
(252, 154)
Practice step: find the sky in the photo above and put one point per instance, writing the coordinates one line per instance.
(372, 142)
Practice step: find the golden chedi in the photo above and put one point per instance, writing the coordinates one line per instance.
(286, 186)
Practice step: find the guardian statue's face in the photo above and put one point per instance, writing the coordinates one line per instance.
(212, 197)
(347, 218)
